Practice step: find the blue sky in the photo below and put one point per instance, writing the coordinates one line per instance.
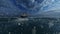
(14, 7)
(32, 7)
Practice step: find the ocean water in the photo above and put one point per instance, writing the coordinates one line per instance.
(30, 26)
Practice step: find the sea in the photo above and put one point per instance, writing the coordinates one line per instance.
(29, 25)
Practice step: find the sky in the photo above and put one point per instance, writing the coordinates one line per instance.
(16, 7)
(13, 8)
(50, 8)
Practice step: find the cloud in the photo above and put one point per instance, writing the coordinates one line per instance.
(7, 8)
(50, 9)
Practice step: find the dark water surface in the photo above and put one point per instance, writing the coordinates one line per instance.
(32, 26)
